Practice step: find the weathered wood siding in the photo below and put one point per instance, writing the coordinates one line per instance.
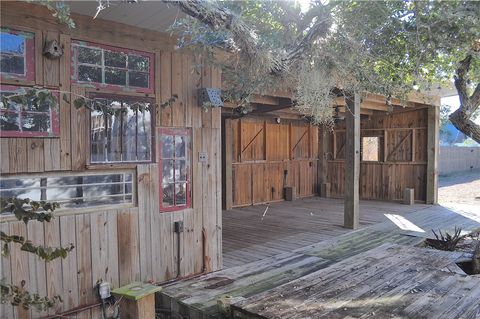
(402, 161)
(124, 244)
(264, 157)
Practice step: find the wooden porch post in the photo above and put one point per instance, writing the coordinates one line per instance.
(352, 162)
(432, 153)
(227, 164)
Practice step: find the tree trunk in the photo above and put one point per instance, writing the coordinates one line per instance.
(464, 124)
(461, 118)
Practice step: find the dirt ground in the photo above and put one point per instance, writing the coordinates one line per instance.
(460, 188)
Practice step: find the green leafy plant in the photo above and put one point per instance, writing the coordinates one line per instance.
(27, 210)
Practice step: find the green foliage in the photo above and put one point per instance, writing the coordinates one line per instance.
(27, 210)
(37, 98)
(18, 296)
(60, 11)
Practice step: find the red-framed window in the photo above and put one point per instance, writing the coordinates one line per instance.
(28, 114)
(174, 169)
(17, 55)
(121, 129)
(112, 68)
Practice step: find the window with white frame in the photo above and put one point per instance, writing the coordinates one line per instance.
(112, 67)
(72, 190)
(121, 130)
(174, 163)
(17, 54)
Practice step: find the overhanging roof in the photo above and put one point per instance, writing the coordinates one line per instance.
(153, 15)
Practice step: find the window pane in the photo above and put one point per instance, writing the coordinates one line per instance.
(98, 136)
(138, 79)
(138, 63)
(12, 43)
(116, 59)
(144, 138)
(167, 169)
(167, 198)
(180, 145)
(370, 148)
(115, 133)
(167, 146)
(181, 194)
(89, 55)
(12, 64)
(72, 191)
(180, 171)
(115, 76)
(129, 130)
(9, 121)
(89, 74)
(35, 122)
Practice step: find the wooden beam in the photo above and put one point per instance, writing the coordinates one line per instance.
(227, 167)
(432, 154)
(324, 145)
(352, 163)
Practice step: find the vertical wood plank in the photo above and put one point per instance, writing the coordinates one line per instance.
(227, 167)
(38, 57)
(432, 153)
(51, 67)
(51, 154)
(178, 107)
(20, 271)
(18, 155)
(165, 87)
(4, 156)
(35, 155)
(69, 264)
(206, 83)
(352, 163)
(197, 200)
(187, 89)
(144, 182)
(216, 83)
(6, 310)
(37, 271)
(65, 62)
(128, 254)
(79, 125)
(83, 251)
(54, 267)
(195, 83)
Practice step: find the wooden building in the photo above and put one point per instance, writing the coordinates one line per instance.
(125, 178)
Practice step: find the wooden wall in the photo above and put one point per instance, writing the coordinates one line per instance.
(125, 243)
(402, 160)
(258, 154)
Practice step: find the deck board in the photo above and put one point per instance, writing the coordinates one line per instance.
(253, 271)
(380, 283)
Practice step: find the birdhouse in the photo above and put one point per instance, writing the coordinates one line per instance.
(52, 50)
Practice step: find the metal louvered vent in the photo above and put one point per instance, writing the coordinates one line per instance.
(209, 96)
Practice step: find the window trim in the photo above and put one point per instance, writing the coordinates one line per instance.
(29, 57)
(103, 95)
(54, 117)
(181, 132)
(103, 85)
(73, 210)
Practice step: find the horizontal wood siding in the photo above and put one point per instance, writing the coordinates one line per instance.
(119, 245)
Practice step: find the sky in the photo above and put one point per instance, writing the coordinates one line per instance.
(454, 103)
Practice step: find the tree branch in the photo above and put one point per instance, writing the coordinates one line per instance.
(245, 37)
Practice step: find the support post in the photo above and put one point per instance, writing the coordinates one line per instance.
(324, 147)
(432, 153)
(227, 163)
(352, 162)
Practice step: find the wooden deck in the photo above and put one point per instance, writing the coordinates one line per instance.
(287, 226)
(242, 285)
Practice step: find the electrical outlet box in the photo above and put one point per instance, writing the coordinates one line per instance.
(178, 225)
(202, 157)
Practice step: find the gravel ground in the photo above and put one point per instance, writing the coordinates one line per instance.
(460, 188)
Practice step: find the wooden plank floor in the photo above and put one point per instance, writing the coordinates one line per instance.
(198, 297)
(287, 226)
(390, 281)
